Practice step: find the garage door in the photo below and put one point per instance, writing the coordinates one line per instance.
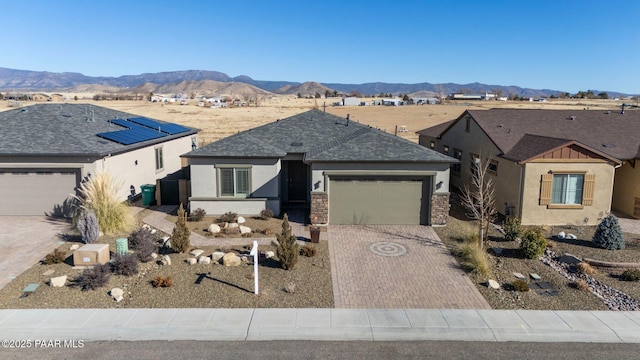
(377, 201)
(34, 192)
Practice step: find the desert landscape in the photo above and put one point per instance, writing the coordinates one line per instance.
(217, 123)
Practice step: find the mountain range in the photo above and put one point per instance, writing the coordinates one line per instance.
(203, 82)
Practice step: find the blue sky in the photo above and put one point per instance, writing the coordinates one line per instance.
(552, 44)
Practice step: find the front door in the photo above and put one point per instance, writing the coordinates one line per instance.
(297, 181)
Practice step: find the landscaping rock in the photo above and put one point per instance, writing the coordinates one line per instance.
(154, 255)
(568, 259)
(232, 225)
(74, 247)
(571, 236)
(191, 261)
(204, 260)
(48, 272)
(493, 284)
(497, 250)
(153, 231)
(561, 235)
(519, 275)
(216, 256)
(196, 252)
(214, 228)
(166, 260)
(231, 259)
(116, 294)
(241, 220)
(59, 281)
(245, 229)
(535, 277)
(269, 254)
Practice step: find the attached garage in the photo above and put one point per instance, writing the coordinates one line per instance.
(379, 200)
(35, 192)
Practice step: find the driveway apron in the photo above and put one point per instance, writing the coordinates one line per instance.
(397, 266)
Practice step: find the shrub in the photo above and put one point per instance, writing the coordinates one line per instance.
(144, 242)
(520, 285)
(582, 285)
(287, 246)
(533, 244)
(473, 258)
(266, 214)
(180, 241)
(585, 268)
(56, 257)
(93, 278)
(246, 235)
(512, 229)
(308, 251)
(229, 217)
(290, 288)
(159, 281)
(101, 194)
(630, 275)
(197, 215)
(88, 226)
(126, 265)
(608, 235)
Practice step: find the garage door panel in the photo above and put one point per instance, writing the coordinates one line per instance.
(353, 201)
(34, 193)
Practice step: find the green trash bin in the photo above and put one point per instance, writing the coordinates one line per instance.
(148, 194)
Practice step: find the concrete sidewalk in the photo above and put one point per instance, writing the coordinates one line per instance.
(320, 325)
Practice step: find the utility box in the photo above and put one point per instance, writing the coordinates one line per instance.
(91, 254)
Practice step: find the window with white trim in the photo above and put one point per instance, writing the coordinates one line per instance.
(234, 181)
(567, 189)
(159, 159)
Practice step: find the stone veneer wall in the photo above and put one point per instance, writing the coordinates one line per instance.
(439, 209)
(320, 207)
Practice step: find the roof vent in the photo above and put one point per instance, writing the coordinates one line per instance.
(572, 117)
(609, 145)
(500, 125)
(296, 144)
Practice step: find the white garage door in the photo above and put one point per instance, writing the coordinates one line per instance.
(34, 192)
(377, 201)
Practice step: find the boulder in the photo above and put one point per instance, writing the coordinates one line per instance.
(154, 255)
(231, 259)
(204, 260)
(232, 225)
(59, 281)
(561, 235)
(214, 228)
(153, 231)
(244, 229)
(519, 275)
(269, 254)
(116, 294)
(241, 220)
(191, 261)
(166, 260)
(493, 284)
(572, 236)
(74, 247)
(196, 252)
(216, 256)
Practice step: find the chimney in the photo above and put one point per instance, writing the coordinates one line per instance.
(347, 119)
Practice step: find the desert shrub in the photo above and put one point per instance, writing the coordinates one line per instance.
(533, 244)
(512, 229)
(473, 258)
(197, 215)
(266, 214)
(630, 275)
(126, 265)
(160, 281)
(88, 227)
(56, 257)
(249, 234)
(552, 244)
(585, 268)
(582, 285)
(290, 288)
(287, 246)
(267, 231)
(520, 285)
(144, 242)
(308, 251)
(608, 235)
(101, 194)
(180, 240)
(93, 278)
(229, 217)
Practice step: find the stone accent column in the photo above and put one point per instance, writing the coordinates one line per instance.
(439, 208)
(320, 207)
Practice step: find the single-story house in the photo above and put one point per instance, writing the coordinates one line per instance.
(550, 167)
(341, 171)
(46, 150)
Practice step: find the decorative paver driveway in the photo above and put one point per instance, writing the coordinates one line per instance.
(397, 266)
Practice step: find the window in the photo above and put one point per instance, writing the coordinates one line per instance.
(455, 168)
(445, 150)
(567, 189)
(432, 145)
(468, 125)
(492, 167)
(194, 143)
(473, 164)
(234, 181)
(159, 161)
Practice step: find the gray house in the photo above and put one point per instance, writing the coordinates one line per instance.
(46, 150)
(341, 171)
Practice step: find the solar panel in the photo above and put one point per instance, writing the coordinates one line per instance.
(168, 128)
(131, 136)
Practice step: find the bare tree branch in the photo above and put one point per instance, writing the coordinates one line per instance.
(478, 196)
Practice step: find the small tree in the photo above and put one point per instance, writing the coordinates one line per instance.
(478, 196)
(608, 235)
(88, 226)
(533, 244)
(180, 238)
(287, 248)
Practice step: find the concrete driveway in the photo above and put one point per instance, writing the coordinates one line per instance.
(397, 266)
(25, 240)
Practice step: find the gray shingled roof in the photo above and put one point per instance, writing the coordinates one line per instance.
(608, 132)
(320, 136)
(65, 130)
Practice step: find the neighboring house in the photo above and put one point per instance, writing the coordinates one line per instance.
(46, 150)
(551, 167)
(40, 97)
(342, 171)
(350, 101)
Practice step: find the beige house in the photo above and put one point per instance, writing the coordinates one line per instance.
(550, 167)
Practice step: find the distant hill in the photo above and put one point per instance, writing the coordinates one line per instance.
(203, 81)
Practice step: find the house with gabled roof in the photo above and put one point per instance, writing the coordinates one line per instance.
(550, 167)
(339, 170)
(47, 150)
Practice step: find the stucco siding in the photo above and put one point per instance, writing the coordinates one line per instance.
(626, 190)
